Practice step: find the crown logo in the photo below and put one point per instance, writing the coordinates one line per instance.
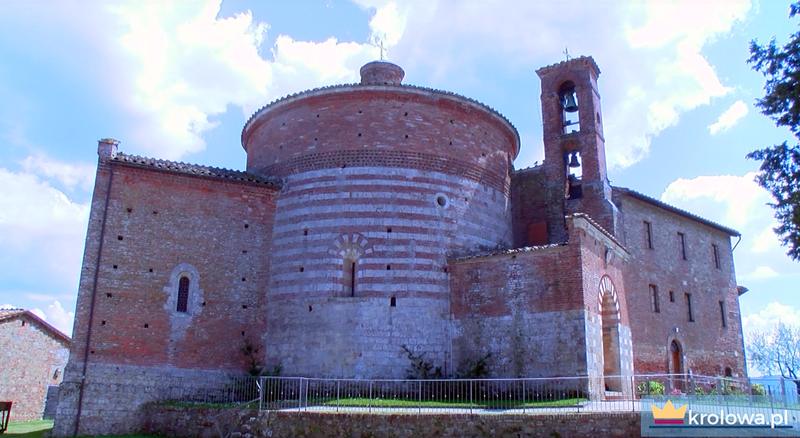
(668, 414)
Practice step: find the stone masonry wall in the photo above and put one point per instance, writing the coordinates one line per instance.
(390, 223)
(183, 422)
(525, 309)
(708, 347)
(32, 359)
(161, 226)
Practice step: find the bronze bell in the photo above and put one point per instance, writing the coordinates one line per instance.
(573, 160)
(568, 101)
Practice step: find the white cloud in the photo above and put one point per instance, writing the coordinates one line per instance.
(729, 118)
(770, 316)
(729, 199)
(738, 202)
(651, 52)
(184, 66)
(760, 273)
(41, 232)
(71, 175)
(172, 68)
(388, 24)
(301, 65)
(56, 316)
(766, 240)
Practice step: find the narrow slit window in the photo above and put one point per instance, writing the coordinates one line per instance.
(648, 235)
(349, 277)
(671, 296)
(682, 243)
(722, 317)
(654, 298)
(715, 250)
(183, 294)
(689, 312)
(353, 279)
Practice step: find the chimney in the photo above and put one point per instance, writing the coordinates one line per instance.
(107, 148)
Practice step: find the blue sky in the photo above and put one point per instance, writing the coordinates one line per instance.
(177, 80)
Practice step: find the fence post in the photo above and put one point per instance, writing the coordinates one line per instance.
(470, 395)
(305, 398)
(419, 398)
(260, 383)
(783, 391)
(369, 404)
(338, 400)
(300, 394)
(523, 396)
(632, 393)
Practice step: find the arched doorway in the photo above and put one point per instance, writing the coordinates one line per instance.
(609, 313)
(676, 363)
(676, 357)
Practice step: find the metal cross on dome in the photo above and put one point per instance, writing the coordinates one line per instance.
(379, 43)
(566, 53)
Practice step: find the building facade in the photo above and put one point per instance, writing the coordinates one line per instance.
(378, 219)
(33, 355)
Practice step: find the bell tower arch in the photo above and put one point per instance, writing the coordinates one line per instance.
(574, 145)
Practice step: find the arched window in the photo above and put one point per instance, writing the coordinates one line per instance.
(568, 99)
(349, 277)
(183, 294)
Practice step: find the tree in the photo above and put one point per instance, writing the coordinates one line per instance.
(780, 164)
(778, 351)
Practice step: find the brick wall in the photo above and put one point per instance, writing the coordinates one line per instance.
(387, 126)
(161, 226)
(32, 359)
(537, 311)
(708, 348)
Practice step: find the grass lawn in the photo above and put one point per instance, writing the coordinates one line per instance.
(29, 429)
(499, 404)
(38, 429)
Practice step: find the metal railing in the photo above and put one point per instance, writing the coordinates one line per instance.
(553, 395)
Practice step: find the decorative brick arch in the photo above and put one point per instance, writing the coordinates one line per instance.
(195, 299)
(607, 290)
(610, 327)
(350, 246)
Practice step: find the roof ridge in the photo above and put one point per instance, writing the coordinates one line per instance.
(11, 313)
(676, 210)
(359, 85)
(194, 169)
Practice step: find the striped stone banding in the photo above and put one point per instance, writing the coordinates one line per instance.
(391, 159)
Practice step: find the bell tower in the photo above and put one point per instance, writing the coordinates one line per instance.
(574, 146)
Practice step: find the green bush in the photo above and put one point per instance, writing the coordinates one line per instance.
(651, 387)
(758, 389)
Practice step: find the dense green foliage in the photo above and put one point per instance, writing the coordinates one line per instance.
(780, 164)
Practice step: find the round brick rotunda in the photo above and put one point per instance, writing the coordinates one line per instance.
(382, 182)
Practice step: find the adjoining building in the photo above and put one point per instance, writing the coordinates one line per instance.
(33, 355)
(377, 219)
